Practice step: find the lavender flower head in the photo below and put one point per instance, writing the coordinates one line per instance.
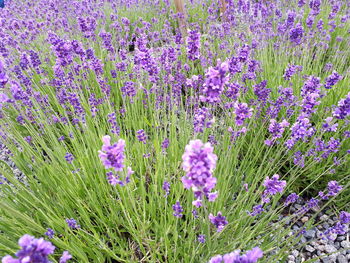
(215, 81)
(251, 256)
(50, 233)
(218, 221)
(272, 187)
(72, 223)
(242, 112)
(193, 45)
(112, 156)
(141, 136)
(65, 257)
(199, 162)
(177, 210)
(332, 79)
(32, 250)
(343, 109)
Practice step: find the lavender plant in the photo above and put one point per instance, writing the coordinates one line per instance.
(128, 140)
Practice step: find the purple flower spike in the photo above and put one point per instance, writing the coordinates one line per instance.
(65, 257)
(273, 185)
(218, 221)
(72, 223)
(50, 233)
(199, 162)
(178, 210)
(193, 45)
(32, 250)
(141, 136)
(251, 256)
(112, 156)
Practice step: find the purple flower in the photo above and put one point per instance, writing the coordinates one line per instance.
(257, 210)
(32, 250)
(141, 136)
(273, 185)
(276, 129)
(343, 109)
(332, 79)
(166, 188)
(69, 157)
(251, 256)
(72, 223)
(199, 162)
(129, 89)
(292, 198)
(112, 156)
(261, 91)
(218, 221)
(201, 239)
(296, 33)
(315, 6)
(165, 145)
(202, 119)
(344, 217)
(215, 80)
(334, 188)
(177, 210)
(193, 45)
(290, 71)
(50, 233)
(242, 112)
(65, 257)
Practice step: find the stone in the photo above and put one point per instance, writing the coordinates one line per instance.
(330, 248)
(309, 248)
(342, 259)
(345, 244)
(304, 219)
(310, 233)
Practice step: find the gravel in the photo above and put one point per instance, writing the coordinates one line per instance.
(316, 247)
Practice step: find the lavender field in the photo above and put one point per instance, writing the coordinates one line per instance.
(132, 132)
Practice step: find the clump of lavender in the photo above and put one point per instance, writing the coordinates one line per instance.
(32, 250)
(199, 162)
(218, 221)
(177, 209)
(193, 45)
(251, 256)
(292, 198)
(72, 223)
(141, 136)
(129, 89)
(272, 187)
